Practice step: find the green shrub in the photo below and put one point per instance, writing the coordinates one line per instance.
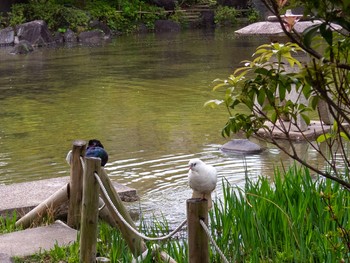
(225, 16)
(253, 15)
(107, 14)
(56, 16)
(17, 15)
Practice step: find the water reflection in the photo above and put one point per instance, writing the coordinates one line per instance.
(142, 96)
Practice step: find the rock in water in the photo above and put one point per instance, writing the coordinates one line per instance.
(243, 146)
(23, 47)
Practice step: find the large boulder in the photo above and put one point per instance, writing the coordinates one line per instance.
(166, 26)
(243, 146)
(22, 47)
(92, 37)
(35, 32)
(7, 36)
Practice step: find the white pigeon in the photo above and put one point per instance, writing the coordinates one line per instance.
(202, 179)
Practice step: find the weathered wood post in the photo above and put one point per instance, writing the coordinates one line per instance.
(198, 242)
(89, 218)
(135, 243)
(76, 184)
(49, 205)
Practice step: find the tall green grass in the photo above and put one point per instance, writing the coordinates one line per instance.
(296, 218)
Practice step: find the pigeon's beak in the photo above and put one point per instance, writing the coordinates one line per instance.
(190, 166)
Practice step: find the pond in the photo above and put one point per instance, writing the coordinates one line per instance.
(142, 96)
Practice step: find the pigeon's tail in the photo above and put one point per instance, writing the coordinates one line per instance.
(196, 194)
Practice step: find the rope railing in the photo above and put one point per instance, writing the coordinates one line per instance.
(213, 241)
(115, 210)
(131, 228)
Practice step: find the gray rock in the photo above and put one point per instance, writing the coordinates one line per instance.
(4, 258)
(7, 36)
(101, 26)
(92, 37)
(23, 47)
(243, 146)
(166, 26)
(70, 36)
(36, 32)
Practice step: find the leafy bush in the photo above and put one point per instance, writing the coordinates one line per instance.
(253, 15)
(17, 15)
(56, 16)
(225, 16)
(106, 13)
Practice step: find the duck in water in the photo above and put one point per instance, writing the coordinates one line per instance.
(96, 149)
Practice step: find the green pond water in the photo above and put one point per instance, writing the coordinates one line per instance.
(142, 96)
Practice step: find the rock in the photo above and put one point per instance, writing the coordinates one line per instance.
(243, 146)
(166, 26)
(23, 47)
(101, 26)
(58, 37)
(92, 37)
(141, 28)
(7, 36)
(36, 32)
(4, 258)
(70, 37)
(207, 19)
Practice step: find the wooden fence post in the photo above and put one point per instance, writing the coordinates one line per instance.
(76, 184)
(44, 208)
(135, 243)
(198, 242)
(89, 218)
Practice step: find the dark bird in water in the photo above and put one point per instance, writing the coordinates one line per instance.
(96, 149)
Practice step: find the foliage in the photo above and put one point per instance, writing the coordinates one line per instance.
(106, 13)
(56, 16)
(262, 86)
(225, 16)
(296, 219)
(7, 223)
(253, 15)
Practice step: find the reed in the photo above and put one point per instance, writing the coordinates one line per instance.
(7, 223)
(297, 218)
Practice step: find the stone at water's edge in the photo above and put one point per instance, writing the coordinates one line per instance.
(243, 146)
(166, 26)
(7, 36)
(92, 37)
(23, 47)
(36, 32)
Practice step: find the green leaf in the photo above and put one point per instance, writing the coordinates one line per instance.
(309, 33)
(323, 137)
(344, 136)
(213, 103)
(306, 118)
(274, 117)
(261, 97)
(282, 92)
(326, 33)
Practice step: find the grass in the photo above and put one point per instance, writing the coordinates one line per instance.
(297, 218)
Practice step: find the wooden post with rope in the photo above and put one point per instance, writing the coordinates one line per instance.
(135, 243)
(76, 184)
(198, 242)
(89, 217)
